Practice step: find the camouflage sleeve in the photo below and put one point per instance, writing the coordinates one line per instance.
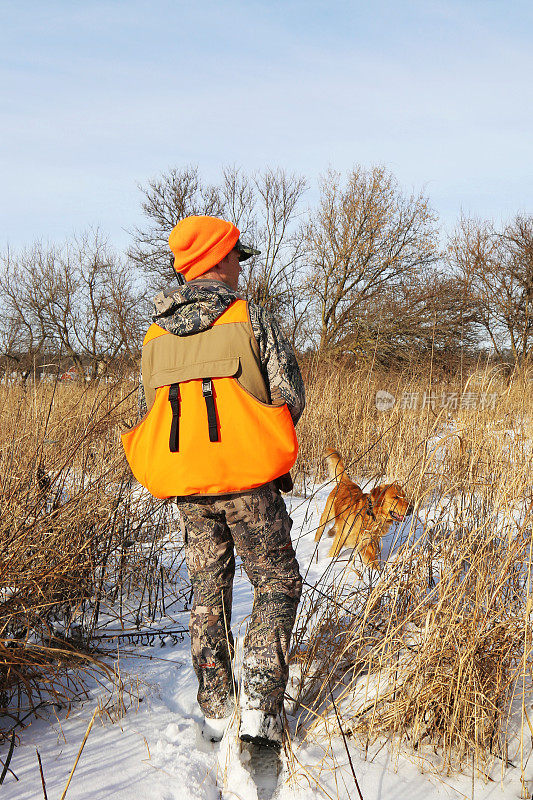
(278, 361)
(141, 398)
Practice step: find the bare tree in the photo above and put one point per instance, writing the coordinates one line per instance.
(365, 237)
(497, 268)
(265, 207)
(267, 210)
(78, 300)
(24, 336)
(169, 198)
(424, 314)
(239, 201)
(271, 278)
(105, 307)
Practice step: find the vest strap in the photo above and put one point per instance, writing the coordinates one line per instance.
(174, 400)
(207, 391)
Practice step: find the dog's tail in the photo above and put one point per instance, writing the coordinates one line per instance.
(335, 466)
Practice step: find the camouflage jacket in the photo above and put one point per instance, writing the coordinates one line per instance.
(194, 307)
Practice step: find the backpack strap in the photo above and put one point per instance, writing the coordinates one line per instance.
(207, 391)
(174, 400)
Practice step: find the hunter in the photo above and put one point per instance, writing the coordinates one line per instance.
(220, 395)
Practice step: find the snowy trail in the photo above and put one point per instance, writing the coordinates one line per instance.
(156, 751)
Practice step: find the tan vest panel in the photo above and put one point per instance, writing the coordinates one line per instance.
(224, 350)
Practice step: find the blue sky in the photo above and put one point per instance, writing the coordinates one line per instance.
(96, 97)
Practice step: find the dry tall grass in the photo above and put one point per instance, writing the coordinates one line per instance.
(73, 538)
(434, 652)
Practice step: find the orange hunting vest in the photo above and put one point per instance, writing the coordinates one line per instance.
(210, 428)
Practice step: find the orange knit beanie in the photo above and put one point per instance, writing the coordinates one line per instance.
(200, 243)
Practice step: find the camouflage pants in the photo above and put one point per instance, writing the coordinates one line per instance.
(258, 525)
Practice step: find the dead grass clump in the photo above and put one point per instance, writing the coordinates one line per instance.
(75, 540)
(461, 429)
(425, 656)
(435, 652)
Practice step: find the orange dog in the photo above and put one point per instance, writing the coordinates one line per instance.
(360, 520)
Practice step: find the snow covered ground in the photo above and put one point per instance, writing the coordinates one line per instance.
(155, 751)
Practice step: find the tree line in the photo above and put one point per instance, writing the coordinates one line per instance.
(363, 273)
